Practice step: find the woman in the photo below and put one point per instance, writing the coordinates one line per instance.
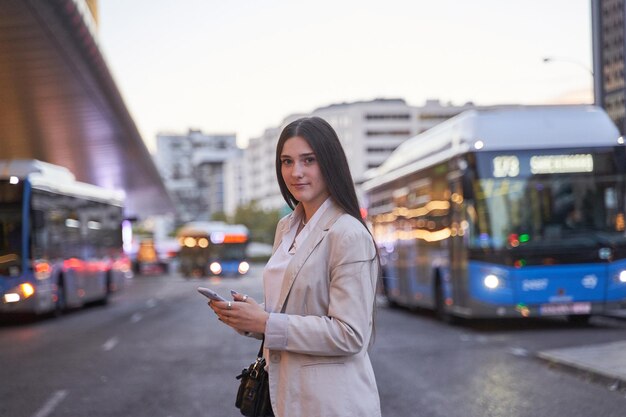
(319, 284)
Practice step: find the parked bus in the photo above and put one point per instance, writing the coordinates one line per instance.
(505, 212)
(60, 240)
(213, 248)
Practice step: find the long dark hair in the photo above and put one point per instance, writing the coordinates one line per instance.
(331, 158)
(333, 164)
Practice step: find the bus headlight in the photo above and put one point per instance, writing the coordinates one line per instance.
(216, 268)
(244, 267)
(18, 293)
(621, 278)
(491, 281)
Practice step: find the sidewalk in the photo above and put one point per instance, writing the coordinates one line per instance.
(606, 361)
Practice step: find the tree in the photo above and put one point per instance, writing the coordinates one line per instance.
(220, 216)
(261, 223)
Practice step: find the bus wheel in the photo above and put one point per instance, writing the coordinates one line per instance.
(61, 304)
(107, 290)
(440, 305)
(579, 319)
(390, 301)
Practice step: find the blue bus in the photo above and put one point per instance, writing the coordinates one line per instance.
(510, 211)
(60, 239)
(212, 249)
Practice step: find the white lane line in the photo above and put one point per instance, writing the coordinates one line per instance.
(51, 404)
(110, 344)
(519, 351)
(136, 317)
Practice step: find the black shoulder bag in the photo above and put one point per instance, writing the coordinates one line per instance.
(253, 396)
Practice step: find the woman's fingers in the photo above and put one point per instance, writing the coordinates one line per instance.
(240, 297)
(241, 314)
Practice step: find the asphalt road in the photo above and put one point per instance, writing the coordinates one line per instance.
(157, 350)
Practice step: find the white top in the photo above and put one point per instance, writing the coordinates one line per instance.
(274, 271)
(274, 274)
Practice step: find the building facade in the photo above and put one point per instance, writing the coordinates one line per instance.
(192, 168)
(368, 130)
(609, 58)
(234, 183)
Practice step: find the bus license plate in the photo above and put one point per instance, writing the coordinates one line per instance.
(570, 308)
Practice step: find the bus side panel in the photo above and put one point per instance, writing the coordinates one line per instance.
(407, 267)
(415, 265)
(72, 281)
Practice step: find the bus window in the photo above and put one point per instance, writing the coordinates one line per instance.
(10, 242)
(10, 229)
(574, 208)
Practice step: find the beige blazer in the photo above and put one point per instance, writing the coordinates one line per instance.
(329, 287)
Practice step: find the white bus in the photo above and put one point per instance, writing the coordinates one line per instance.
(60, 240)
(505, 212)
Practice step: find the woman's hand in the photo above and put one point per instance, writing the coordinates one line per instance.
(244, 314)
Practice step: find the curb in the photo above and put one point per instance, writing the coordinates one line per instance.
(605, 362)
(617, 314)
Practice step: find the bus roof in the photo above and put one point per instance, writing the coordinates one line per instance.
(200, 228)
(56, 179)
(499, 128)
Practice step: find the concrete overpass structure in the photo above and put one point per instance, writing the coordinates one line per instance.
(59, 103)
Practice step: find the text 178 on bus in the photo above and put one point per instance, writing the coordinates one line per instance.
(511, 211)
(60, 240)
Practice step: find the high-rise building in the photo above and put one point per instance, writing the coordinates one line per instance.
(260, 170)
(192, 168)
(368, 130)
(609, 58)
(234, 183)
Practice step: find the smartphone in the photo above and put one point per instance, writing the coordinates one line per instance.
(209, 293)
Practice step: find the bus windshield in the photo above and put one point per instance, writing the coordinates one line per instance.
(229, 251)
(10, 228)
(549, 210)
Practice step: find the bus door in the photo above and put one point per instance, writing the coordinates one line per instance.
(455, 283)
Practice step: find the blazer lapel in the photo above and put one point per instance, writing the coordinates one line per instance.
(283, 228)
(302, 254)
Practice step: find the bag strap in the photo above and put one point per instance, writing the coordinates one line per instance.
(260, 354)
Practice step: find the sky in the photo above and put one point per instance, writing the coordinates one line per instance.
(241, 66)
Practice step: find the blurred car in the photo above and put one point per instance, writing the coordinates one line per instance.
(147, 261)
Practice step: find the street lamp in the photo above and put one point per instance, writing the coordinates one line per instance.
(571, 61)
(549, 59)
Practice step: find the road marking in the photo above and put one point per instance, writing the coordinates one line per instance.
(110, 344)
(136, 317)
(518, 351)
(151, 303)
(51, 404)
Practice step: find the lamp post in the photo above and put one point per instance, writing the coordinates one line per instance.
(549, 59)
